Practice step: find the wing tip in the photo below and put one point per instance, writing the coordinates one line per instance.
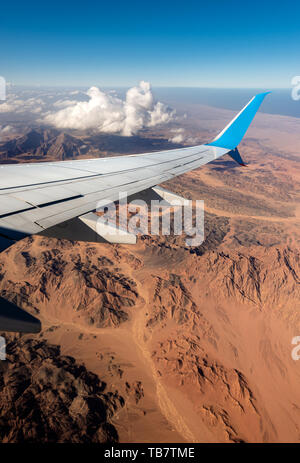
(232, 134)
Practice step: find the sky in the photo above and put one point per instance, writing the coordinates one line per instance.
(168, 43)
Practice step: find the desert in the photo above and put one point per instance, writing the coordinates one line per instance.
(158, 341)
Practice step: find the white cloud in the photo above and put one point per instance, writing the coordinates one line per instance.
(181, 137)
(178, 136)
(105, 112)
(19, 105)
(6, 107)
(4, 130)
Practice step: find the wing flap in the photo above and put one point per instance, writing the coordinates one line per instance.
(9, 205)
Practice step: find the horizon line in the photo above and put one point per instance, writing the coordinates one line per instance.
(10, 84)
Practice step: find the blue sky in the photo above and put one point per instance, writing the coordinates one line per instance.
(169, 43)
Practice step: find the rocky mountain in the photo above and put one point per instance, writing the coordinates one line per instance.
(161, 341)
(50, 145)
(40, 143)
(54, 398)
(205, 326)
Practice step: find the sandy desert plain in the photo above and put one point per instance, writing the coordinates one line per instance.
(161, 342)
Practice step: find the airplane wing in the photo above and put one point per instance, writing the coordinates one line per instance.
(38, 198)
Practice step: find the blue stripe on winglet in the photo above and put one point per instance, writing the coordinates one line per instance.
(232, 135)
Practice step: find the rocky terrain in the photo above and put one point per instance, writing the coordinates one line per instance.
(46, 397)
(38, 144)
(162, 342)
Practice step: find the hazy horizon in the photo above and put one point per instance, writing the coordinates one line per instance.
(278, 102)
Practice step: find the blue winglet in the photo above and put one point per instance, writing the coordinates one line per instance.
(233, 133)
